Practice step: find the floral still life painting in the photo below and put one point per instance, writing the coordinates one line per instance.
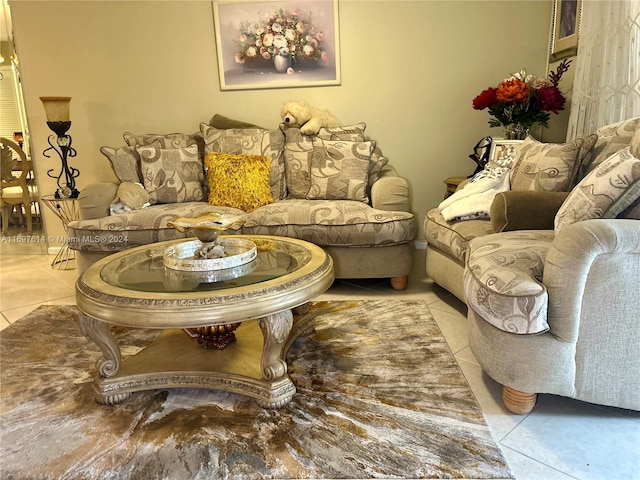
(522, 101)
(277, 44)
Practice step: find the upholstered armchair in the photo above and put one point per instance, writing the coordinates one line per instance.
(551, 277)
(558, 314)
(557, 310)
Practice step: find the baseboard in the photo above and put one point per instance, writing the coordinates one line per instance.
(53, 250)
(420, 244)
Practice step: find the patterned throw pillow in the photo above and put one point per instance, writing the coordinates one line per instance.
(238, 181)
(301, 152)
(251, 141)
(378, 162)
(610, 139)
(352, 133)
(547, 167)
(172, 175)
(125, 162)
(604, 193)
(167, 140)
(341, 170)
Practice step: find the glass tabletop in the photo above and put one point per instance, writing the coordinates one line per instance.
(143, 270)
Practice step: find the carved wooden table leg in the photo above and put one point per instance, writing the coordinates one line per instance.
(275, 330)
(109, 365)
(518, 402)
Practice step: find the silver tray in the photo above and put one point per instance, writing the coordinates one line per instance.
(180, 257)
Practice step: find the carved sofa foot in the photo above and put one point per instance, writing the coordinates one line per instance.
(399, 283)
(518, 402)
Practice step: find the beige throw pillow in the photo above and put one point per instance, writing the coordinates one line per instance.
(125, 162)
(546, 166)
(340, 170)
(604, 193)
(172, 175)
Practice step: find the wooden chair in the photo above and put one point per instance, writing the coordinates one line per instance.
(16, 190)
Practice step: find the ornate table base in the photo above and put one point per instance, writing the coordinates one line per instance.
(253, 365)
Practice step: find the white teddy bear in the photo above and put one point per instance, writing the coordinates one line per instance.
(309, 119)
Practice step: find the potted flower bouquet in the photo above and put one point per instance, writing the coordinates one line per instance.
(522, 101)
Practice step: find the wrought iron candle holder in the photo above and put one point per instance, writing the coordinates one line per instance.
(57, 109)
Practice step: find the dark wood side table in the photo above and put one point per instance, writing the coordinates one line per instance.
(452, 183)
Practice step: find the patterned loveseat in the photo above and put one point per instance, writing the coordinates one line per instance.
(551, 279)
(334, 189)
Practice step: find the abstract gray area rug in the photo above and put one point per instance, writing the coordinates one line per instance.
(379, 394)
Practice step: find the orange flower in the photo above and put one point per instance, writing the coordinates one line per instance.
(513, 91)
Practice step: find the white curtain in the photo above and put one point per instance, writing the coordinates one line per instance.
(607, 79)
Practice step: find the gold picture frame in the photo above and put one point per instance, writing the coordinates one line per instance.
(565, 30)
(237, 22)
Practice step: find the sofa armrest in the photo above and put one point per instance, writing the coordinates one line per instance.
(525, 210)
(390, 192)
(591, 273)
(94, 200)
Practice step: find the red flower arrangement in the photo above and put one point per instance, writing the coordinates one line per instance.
(523, 100)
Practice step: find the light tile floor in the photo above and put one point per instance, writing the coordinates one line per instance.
(560, 439)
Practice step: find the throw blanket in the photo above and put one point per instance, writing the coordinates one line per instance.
(475, 199)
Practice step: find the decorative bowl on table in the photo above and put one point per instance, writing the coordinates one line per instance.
(208, 226)
(209, 252)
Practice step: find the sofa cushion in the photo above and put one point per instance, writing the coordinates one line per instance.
(115, 233)
(548, 166)
(341, 172)
(251, 141)
(453, 238)
(125, 163)
(238, 181)
(331, 223)
(604, 193)
(172, 175)
(503, 280)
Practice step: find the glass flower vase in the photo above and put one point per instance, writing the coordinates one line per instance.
(516, 131)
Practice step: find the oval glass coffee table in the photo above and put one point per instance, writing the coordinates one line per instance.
(134, 289)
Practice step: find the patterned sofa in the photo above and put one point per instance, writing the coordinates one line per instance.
(334, 189)
(551, 279)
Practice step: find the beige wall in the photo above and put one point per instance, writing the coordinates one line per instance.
(409, 70)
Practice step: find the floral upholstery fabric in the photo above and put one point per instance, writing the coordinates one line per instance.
(611, 138)
(331, 223)
(342, 172)
(547, 166)
(352, 133)
(503, 280)
(604, 193)
(166, 140)
(172, 175)
(251, 141)
(115, 233)
(125, 163)
(453, 238)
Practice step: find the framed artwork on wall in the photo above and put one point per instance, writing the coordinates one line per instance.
(565, 29)
(277, 44)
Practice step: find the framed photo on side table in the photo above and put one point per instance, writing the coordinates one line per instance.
(565, 29)
(501, 149)
(277, 44)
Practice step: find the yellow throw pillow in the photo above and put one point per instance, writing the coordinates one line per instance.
(238, 181)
